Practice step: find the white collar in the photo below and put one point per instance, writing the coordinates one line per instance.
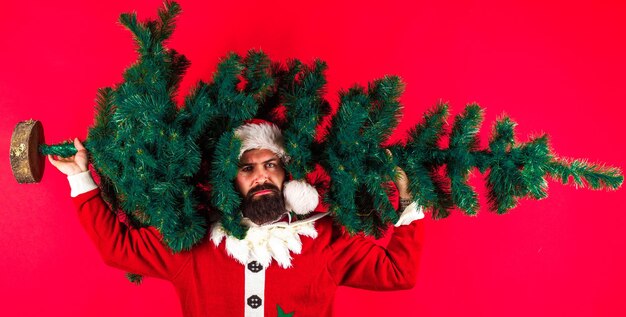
(276, 240)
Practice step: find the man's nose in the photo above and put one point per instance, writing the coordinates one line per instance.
(261, 176)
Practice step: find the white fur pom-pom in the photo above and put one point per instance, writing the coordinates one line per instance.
(300, 196)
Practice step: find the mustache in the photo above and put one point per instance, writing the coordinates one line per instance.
(266, 186)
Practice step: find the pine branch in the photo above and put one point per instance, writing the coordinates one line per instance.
(359, 167)
(256, 72)
(515, 170)
(583, 174)
(140, 33)
(304, 105)
(463, 142)
(140, 146)
(385, 110)
(223, 172)
(166, 22)
(198, 112)
(136, 279)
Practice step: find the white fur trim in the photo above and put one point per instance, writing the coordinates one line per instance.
(411, 213)
(261, 136)
(263, 243)
(81, 183)
(300, 196)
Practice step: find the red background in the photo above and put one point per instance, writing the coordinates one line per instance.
(554, 67)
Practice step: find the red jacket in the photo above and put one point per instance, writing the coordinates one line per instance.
(209, 282)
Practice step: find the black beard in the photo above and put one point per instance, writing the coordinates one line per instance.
(264, 208)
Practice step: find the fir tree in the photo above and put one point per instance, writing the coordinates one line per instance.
(166, 166)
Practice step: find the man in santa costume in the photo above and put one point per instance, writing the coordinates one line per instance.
(283, 265)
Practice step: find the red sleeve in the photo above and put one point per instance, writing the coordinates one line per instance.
(358, 262)
(139, 251)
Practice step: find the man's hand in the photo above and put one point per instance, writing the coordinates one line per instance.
(72, 165)
(402, 183)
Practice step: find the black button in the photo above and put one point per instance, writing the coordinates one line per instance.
(255, 266)
(255, 301)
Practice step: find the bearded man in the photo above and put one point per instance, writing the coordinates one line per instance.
(282, 265)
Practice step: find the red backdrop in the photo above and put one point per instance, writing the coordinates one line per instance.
(556, 68)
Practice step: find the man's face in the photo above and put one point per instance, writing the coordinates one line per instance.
(260, 181)
(257, 167)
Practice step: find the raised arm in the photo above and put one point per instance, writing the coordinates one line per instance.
(359, 262)
(139, 251)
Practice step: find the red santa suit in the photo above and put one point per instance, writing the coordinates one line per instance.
(296, 266)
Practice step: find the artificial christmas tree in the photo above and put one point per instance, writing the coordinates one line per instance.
(158, 163)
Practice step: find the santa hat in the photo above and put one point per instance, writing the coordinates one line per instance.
(256, 134)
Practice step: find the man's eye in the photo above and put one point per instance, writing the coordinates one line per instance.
(246, 169)
(271, 165)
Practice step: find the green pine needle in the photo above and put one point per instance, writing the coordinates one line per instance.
(136, 279)
(583, 174)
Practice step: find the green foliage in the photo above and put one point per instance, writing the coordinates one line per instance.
(464, 141)
(303, 98)
(140, 148)
(146, 157)
(136, 279)
(420, 157)
(161, 164)
(223, 173)
(584, 174)
(515, 170)
(359, 166)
